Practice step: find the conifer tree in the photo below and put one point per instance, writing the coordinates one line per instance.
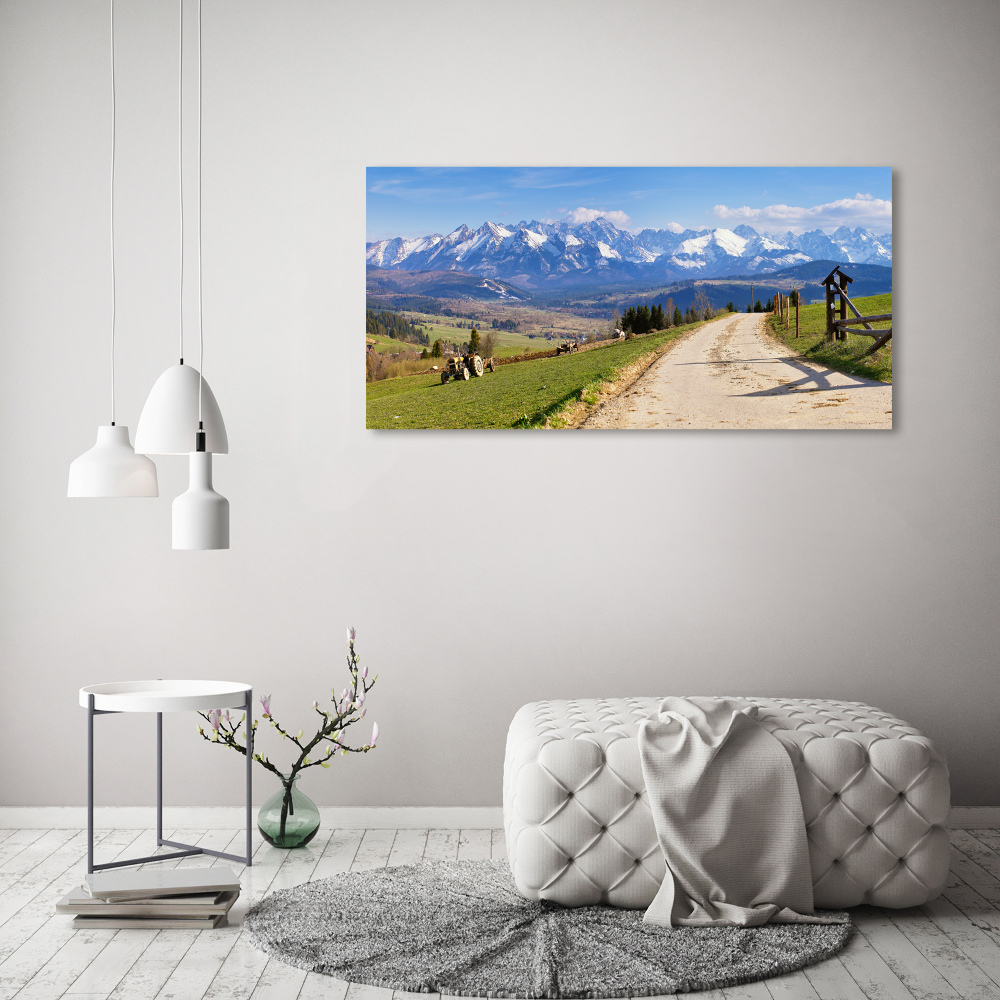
(642, 318)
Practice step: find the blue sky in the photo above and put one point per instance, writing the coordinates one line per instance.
(416, 201)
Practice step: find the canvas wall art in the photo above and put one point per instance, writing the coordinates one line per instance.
(619, 298)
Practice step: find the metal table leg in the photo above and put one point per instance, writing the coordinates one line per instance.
(159, 778)
(185, 850)
(248, 730)
(90, 784)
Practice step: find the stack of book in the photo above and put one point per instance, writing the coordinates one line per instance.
(175, 897)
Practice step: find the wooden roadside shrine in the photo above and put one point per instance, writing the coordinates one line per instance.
(836, 283)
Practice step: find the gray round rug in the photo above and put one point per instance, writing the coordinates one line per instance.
(461, 927)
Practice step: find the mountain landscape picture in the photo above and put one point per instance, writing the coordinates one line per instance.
(624, 298)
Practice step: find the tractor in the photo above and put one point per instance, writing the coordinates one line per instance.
(467, 366)
(573, 345)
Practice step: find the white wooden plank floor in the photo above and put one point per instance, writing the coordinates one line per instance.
(949, 948)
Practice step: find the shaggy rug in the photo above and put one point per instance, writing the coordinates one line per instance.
(461, 927)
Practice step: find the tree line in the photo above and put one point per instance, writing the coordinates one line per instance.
(642, 319)
(390, 324)
(769, 305)
(654, 316)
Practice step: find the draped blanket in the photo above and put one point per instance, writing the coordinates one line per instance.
(728, 818)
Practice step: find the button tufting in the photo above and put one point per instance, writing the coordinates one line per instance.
(815, 734)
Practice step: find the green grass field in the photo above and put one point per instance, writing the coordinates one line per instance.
(560, 324)
(509, 343)
(520, 395)
(389, 345)
(842, 355)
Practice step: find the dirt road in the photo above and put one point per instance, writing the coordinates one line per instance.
(729, 374)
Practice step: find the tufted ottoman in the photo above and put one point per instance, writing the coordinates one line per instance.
(579, 831)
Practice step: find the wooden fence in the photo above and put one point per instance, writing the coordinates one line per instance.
(836, 283)
(783, 307)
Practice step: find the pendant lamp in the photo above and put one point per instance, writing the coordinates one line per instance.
(181, 415)
(112, 468)
(169, 421)
(200, 515)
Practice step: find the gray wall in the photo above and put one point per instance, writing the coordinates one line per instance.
(481, 570)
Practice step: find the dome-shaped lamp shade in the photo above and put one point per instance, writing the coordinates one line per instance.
(169, 420)
(200, 515)
(111, 468)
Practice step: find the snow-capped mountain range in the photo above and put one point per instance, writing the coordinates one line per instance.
(552, 253)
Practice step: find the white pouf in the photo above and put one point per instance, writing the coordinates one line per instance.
(579, 831)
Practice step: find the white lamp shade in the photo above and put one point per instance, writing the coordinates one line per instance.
(111, 468)
(169, 420)
(200, 515)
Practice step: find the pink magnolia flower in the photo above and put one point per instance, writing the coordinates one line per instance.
(351, 633)
(214, 717)
(265, 701)
(364, 674)
(374, 734)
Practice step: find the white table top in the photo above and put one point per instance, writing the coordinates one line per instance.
(165, 695)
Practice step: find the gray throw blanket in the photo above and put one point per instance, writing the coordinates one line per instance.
(728, 818)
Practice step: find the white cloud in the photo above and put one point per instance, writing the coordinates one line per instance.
(576, 216)
(861, 210)
(674, 227)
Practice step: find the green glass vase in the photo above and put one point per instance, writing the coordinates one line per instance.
(289, 818)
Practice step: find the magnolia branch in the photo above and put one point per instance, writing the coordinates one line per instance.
(349, 709)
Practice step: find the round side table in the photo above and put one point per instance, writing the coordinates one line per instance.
(161, 696)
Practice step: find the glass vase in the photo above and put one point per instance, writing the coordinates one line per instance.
(289, 818)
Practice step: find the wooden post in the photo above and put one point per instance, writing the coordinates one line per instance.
(829, 310)
(842, 333)
(797, 297)
(788, 311)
